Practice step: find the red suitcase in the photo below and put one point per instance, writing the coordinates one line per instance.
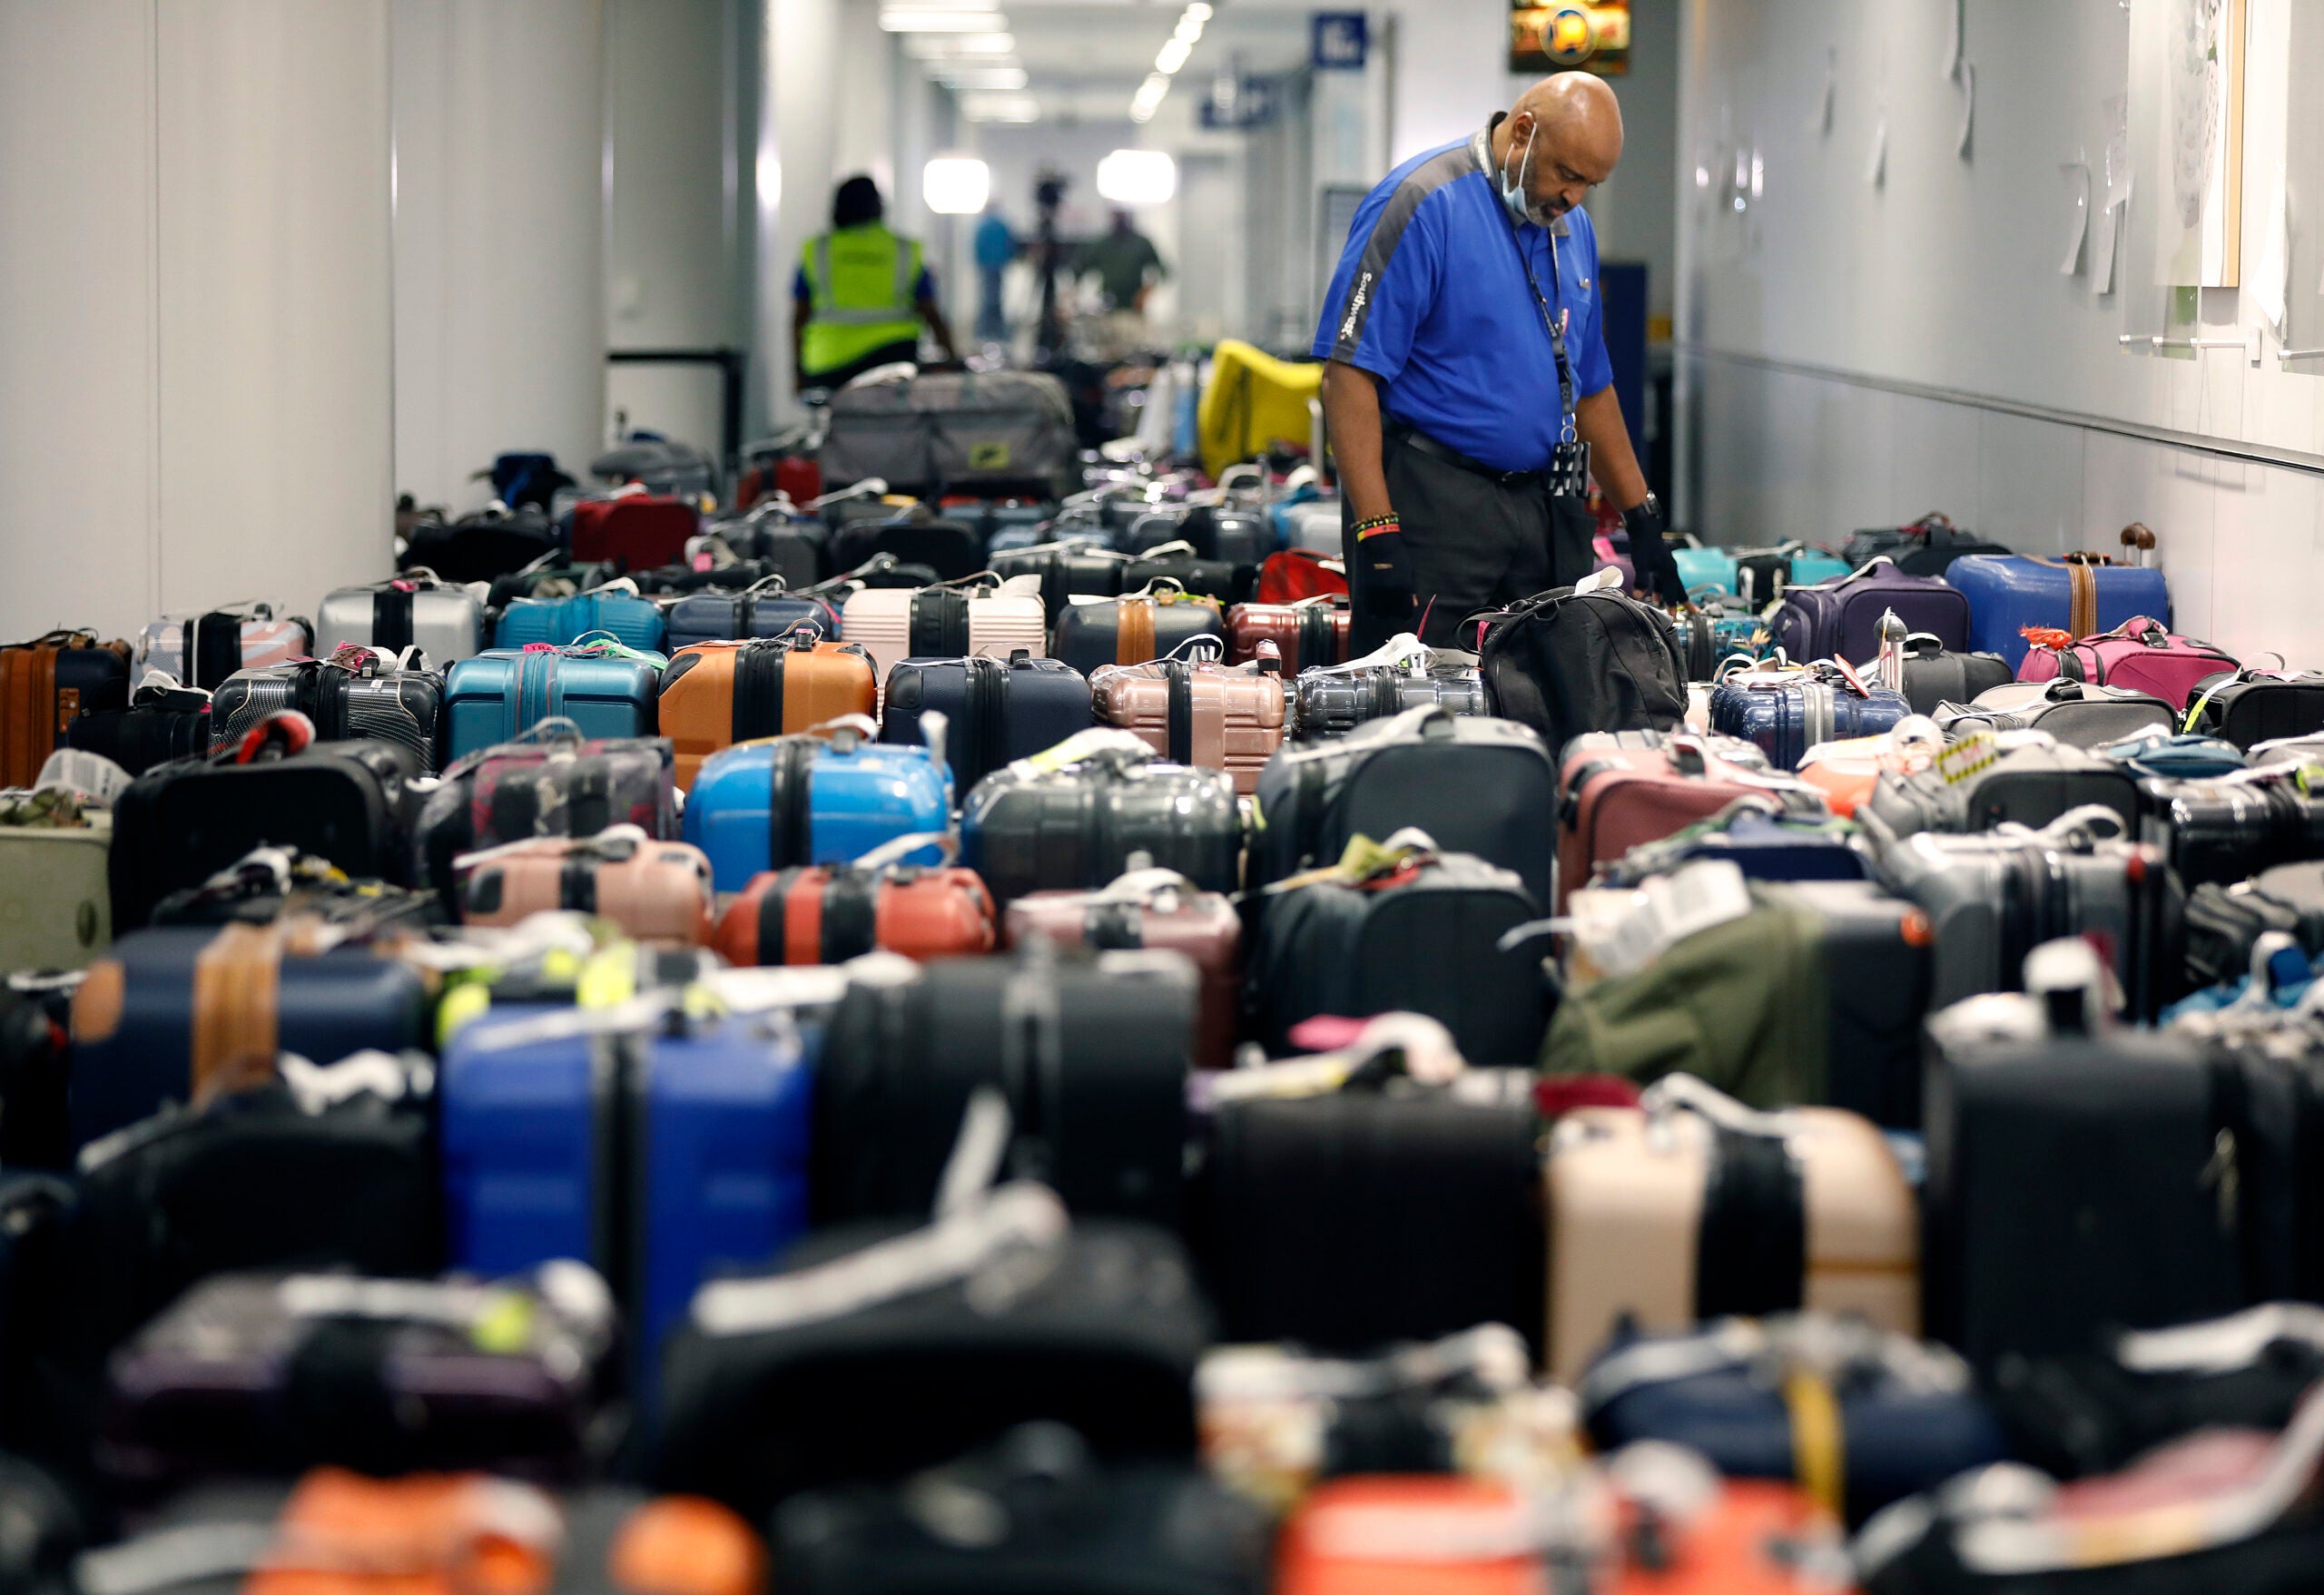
(634, 531)
(833, 912)
(1152, 907)
(1619, 789)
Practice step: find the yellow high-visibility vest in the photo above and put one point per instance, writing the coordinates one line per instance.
(860, 286)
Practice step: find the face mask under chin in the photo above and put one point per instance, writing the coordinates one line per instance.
(1512, 191)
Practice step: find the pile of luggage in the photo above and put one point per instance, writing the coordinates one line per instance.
(730, 1056)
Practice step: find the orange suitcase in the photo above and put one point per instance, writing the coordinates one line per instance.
(1153, 908)
(1752, 1538)
(654, 891)
(1392, 1534)
(1200, 713)
(1309, 632)
(833, 912)
(716, 694)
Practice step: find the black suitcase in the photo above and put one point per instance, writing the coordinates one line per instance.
(1424, 938)
(1069, 569)
(1092, 1056)
(799, 550)
(2079, 715)
(48, 1526)
(1365, 1218)
(35, 1070)
(2223, 922)
(1075, 827)
(1476, 785)
(952, 548)
(1089, 636)
(2247, 707)
(2218, 832)
(1934, 674)
(2026, 786)
(1208, 578)
(48, 1397)
(995, 711)
(404, 707)
(551, 576)
(160, 723)
(767, 1393)
(1330, 701)
(1231, 537)
(179, 823)
(1057, 1524)
(480, 547)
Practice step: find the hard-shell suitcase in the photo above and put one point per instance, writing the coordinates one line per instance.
(55, 907)
(2077, 713)
(1622, 789)
(353, 696)
(271, 883)
(1841, 619)
(259, 1374)
(551, 782)
(632, 531)
(1307, 633)
(1071, 818)
(2247, 707)
(1158, 908)
(952, 548)
(1786, 713)
(1693, 1208)
(480, 547)
(894, 624)
(1754, 1397)
(445, 622)
(2139, 653)
(659, 1153)
(1205, 578)
(812, 799)
(617, 612)
(1371, 1215)
(606, 690)
(2078, 594)
(1331, 700)
(1762, 576)
(995, 711)
(797, 546)
(830, 913)
(179, 823)
(716, 694)
(762, 611)
(2218, 832)
(654, 891)
(1137, 629)
(202, 650)
(1710, 635)
(160, 723)
(1477, 785)
(1315, 527)
(1935, 674)
(1705, 568)
(1199, 711)
(1220, 532)
(2024, 786)
(552, 576)
(45, 685)
(2223, 922)
(1419, 932)
(1079, 566)
(168, 1013)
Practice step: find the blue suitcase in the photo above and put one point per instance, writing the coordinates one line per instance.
(995, 711)
(787, 802)
(660, 1155)
(712, 617)
(134, 1023)
(635, 622)
(1786, 716)
(2008, 592)
(497, 695)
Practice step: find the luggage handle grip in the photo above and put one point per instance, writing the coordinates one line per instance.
(869, 487)
(1175, 545)
(896, 850)
(614, 844)
(774, 583)
(848, 732)
(1684, 1093)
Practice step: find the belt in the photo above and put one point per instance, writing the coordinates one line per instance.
(1419, 442)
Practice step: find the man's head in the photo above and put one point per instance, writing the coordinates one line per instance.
(857, 201)
(1122, 223)
(1561, 139)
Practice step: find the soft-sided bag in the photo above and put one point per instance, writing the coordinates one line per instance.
(1927, 547)
(1622, 789)
(481, 547)
(1935, 674)
(828, 914)
(1841, 619)
(2223, 922)
(2247, 707)
(1581, 659)
(821, 797)
(979, 431)
(162, 722)
(2079, 715)
(1071, 817)
(632, 531)
(2081, 594)
(2138, 654)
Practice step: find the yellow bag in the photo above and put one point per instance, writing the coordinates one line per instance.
(1253, 399)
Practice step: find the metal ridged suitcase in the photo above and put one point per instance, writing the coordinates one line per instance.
(1072, 820)
(757, 612)
(632, 621)
(716, 694)
(1332, 701)
(659, 1155)
(894, 624)
(1785, 714)
(346, 702)
(443, 621)
(2222, 832)
(1842, 618)
(1198, 713)
(1136, 630)
(812, 799)
(995, 711)
(498, 695)
(2009, 593)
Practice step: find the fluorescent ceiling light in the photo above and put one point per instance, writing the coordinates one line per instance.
(922, 19)
(1017, 109)
(1138, 177)
(944, 46)
(1200, 12)
(1008, 79)
(1173, 56)
(1149, 97)
(956, 185)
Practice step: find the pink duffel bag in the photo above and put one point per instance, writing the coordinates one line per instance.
(2138, 653)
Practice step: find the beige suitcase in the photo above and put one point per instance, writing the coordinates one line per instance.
(957, 622)
(56, 912)
(656, 891)
(1626, 1193)
(1201, 713)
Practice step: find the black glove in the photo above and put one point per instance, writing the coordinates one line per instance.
(1650, 554)
(1385, 582)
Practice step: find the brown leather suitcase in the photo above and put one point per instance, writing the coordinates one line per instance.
(47, 683)
(1309, 632)
(1619, 789)
(1159, 909)
(716, 694)
(1695, 1206)
(1200, 713)
(833, 912)
(654, 891)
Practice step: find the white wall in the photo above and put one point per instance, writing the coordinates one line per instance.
(1854, 355)
(195, 400)
(499, 238)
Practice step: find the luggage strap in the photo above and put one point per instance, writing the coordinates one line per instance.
(237, 988)
(1134, 630)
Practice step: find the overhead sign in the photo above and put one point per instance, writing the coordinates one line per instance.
(1574, 37)
(1241, 102)
(1337, 41)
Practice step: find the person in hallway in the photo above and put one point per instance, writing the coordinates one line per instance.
(995, 246)
(1127, 266)
(1467, 389)
(860, 295)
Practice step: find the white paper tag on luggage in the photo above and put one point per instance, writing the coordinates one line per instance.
(1666, 911)
(93, 775)
(1609, 578)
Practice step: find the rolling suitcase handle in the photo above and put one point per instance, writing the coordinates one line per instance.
(890, 855)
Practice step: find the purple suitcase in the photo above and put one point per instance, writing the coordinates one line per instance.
(1842, 618)
(1784, 718)
(2008, 592)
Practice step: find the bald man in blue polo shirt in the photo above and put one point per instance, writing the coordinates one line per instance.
(1468, 389)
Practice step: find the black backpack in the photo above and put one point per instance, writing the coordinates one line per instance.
(1570, 661)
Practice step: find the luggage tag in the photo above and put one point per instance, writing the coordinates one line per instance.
(1665, 911)
(1099, 742)
(1606, 580)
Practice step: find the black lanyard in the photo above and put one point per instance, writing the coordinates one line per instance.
(1550, 322)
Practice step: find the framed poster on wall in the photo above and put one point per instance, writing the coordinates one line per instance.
(2199, 233)
(1594, 36)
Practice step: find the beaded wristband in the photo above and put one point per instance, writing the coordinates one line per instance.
(1376, 525)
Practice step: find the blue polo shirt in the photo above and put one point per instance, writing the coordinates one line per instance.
(1430, 298)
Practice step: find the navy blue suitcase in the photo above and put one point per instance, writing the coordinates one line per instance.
(755, 612)
(1785, 717)
(134, 1023)
(1765, 846)
(807, 799)
(661, 1155)
(994, 710)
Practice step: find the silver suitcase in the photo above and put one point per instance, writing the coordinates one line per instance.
(446, 620)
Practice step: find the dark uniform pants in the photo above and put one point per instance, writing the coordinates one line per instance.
(1475, 542)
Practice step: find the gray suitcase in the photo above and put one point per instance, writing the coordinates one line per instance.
(973, 431)
(2025, 786)
(2080, 714)
(445, 620)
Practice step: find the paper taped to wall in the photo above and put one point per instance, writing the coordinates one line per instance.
(2076, 173)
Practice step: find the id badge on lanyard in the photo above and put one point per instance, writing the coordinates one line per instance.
(1569, 469)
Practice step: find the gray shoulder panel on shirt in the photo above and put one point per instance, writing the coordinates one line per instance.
(1387, 232)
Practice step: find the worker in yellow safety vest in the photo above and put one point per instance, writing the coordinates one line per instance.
(860, 295)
